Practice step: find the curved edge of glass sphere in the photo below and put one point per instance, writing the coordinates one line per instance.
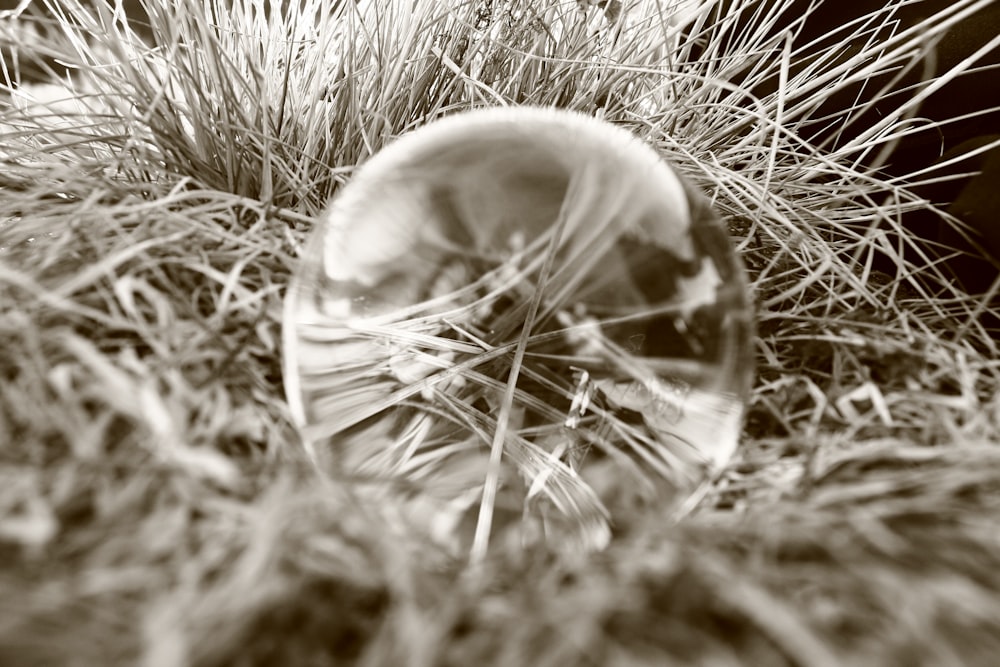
(402, 320)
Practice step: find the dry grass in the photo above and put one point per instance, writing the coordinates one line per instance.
(155, 507)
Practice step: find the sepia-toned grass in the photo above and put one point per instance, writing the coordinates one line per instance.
(156, 506)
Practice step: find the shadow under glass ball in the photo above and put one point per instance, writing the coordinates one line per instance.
(414, 293)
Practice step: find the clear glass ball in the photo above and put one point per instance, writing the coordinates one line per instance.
(530, 320)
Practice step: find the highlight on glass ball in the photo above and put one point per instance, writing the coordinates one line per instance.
(527, 317)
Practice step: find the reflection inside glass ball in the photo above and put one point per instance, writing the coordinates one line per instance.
(534, 245)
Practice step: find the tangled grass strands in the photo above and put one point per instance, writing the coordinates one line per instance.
(481, 538)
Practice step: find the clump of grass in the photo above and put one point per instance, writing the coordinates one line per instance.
(155, 503)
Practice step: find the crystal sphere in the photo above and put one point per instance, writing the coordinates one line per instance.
(527, 317)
